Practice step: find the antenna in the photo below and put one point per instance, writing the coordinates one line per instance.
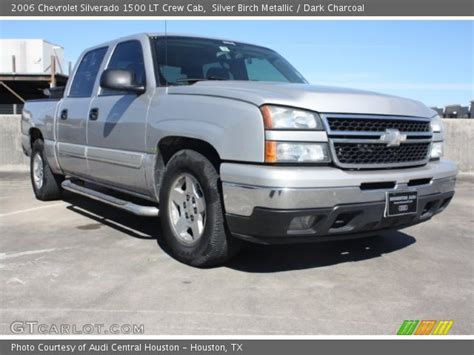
(166, 48)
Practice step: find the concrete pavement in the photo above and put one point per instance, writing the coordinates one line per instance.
(78, 261)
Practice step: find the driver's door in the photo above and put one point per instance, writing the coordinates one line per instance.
(117, 126)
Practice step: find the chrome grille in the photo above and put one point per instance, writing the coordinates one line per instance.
(357, 141)
(370, 153)
(376, 125)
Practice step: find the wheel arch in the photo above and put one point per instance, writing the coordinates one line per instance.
(34, 134)
(170, 145)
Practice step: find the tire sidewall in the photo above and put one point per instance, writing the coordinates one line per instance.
(50, 189)
(203, 171)
(37, 149)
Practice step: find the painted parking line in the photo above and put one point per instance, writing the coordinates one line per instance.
(30, 209)
(4, 256)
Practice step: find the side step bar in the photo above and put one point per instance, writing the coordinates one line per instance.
(146, 211)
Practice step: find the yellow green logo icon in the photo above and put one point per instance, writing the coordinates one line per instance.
(425, 327)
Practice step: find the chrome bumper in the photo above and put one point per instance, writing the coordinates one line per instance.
(248, 186)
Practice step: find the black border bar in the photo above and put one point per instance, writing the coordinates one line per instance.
(237, 8)
(405, 346)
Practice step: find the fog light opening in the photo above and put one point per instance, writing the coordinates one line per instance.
(444, 204)
(428, 207)
(302, 223)
(342, 220)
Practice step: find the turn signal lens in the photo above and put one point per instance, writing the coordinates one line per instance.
(270, 152)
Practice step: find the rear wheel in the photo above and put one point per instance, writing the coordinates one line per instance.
(191, 212)
(46, 184)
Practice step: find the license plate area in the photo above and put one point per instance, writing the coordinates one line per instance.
(401, 203)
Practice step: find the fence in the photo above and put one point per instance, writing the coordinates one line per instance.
(11, 109)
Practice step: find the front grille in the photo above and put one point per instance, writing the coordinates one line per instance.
(376, 125)
(376, 153)
(372, 142)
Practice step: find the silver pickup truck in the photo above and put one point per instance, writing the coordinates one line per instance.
(226, 141)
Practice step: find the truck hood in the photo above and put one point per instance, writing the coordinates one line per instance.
(324, 99)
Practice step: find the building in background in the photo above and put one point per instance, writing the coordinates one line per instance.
(27, 67)
(456, 111)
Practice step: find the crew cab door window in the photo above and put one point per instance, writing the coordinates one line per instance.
(129, 56)
(84, 79)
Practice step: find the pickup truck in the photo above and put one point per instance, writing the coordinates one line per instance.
(226, 141)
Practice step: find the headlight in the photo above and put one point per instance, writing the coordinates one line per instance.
(292, 152)
(278, 117)
(436, 150)
(437, 124)
(437, 146)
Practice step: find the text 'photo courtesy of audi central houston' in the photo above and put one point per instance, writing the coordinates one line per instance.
(226, 141)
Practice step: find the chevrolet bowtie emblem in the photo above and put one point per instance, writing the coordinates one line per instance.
(393, 137)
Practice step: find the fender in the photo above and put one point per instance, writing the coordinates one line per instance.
(223, 123)
(195, 129)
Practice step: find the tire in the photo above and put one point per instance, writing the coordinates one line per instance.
(206, 243)
(46, 185)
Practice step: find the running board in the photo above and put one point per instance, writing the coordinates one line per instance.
(139, 210)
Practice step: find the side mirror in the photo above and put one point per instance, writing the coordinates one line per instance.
(121, 80)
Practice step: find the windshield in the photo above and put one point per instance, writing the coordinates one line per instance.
(184, 60)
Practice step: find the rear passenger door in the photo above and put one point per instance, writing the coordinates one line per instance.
(117, 130)
(73, 114)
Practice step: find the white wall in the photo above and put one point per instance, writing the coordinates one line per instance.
(33, 56)
(459, 138)
(11, 153)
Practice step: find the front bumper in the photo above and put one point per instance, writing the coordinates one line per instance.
(261, 202)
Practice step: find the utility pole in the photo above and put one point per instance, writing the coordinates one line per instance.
(53, 71)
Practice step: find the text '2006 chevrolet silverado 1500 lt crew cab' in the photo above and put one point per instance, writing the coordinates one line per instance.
(227, 141)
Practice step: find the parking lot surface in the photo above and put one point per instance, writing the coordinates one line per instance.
(78, 261)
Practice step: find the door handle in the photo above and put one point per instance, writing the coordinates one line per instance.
(94, 114)
(63, 114)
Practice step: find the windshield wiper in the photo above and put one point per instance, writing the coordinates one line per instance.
(195, 80)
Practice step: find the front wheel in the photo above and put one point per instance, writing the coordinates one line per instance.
(46, 184)
(191, 212)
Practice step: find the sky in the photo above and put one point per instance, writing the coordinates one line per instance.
(430, 61)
